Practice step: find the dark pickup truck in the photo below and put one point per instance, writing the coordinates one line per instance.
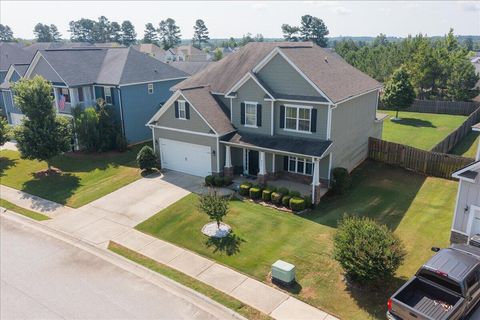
(445, 288)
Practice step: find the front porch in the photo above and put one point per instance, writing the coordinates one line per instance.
(292, 164)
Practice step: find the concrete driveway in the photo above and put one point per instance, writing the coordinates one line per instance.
(143, 198)
(43, 277)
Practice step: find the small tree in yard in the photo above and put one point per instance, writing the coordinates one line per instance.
(42, 134)
(146, 159)
(214, 206)
(399, 92)
(367, 251)
(4, 131)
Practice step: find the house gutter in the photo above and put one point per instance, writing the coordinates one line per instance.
(121, 111)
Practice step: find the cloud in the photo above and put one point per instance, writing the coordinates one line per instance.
(470, 6)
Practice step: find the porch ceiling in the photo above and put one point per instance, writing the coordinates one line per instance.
(282, 144)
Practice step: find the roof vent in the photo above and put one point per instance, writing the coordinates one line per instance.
(155, 70)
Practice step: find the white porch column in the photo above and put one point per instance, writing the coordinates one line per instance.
(262, 167)
(228, 157)
(273, 162)
(316, 179)
(245, 163)
(478, 151)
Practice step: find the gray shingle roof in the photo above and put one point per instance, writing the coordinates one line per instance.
(113, 66)
(190, 67)
(207, 106)
(300, 146)
(335, 77)
(12, 53)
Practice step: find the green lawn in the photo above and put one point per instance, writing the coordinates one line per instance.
(468, 146)
(419, 130)
(220, 297)
(419, 209)
(28, 213)
(84, 178)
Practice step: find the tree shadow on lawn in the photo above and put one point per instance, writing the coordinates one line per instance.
(413, 122)
(57, 187)
(379, 191)
(374, 299)
(229, 245)
(5, 164)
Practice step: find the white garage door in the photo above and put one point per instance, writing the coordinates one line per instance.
(190, 158)
(16, 118)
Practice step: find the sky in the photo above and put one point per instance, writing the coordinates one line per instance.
(225, 19)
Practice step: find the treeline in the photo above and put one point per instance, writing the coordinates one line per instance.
(437, 68)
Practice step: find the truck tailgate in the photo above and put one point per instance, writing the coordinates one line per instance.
(419, 299)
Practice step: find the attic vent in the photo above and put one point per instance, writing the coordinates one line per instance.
(155, 70)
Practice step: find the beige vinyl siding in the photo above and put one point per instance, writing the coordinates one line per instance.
(281, 77)
(469, 194)
(43, 69)
(195, 123)
(322, 121)
(353, 122)
(190, 138)
(250, 91)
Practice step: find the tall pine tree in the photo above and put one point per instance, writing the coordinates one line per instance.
(6, 33)
(150, 35)
(129, 36)
(169, 33)
(200, 34)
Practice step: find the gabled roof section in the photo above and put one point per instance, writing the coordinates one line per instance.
(476, 127)
(12, 53)
(334, 78)
(468, 173)
(249, 75)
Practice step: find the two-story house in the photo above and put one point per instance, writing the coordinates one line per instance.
(135, 84)
(271, 110)
(466, 217)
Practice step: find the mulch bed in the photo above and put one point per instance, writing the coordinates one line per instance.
(45, 173)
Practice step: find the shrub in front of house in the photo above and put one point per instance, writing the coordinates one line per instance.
(341, 181)
(245, 189)
(146, 158)
(294, 194)
(218, 181)
(308, 201)
(286, 201)
(267, 195)
(209, 180)
(283, 191)
(297, 204)
(227, 181)
(368, 252)
(255, 193)
(276, 198)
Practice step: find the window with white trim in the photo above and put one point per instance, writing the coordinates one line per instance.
(150, 88)
(108, 94)
(298, 118)
(300, 165)
(182, 113)
(250, 114)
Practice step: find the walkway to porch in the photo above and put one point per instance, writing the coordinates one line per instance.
(304, 189)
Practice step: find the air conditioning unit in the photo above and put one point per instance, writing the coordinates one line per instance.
(475, 240)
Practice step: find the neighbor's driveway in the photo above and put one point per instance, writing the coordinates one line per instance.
(44, 277)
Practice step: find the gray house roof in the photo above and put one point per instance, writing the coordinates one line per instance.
(12, 53)
(331, 74)
(191, 67)
(207, 106)
(113, 66)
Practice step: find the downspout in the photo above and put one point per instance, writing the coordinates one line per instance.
(121, 111)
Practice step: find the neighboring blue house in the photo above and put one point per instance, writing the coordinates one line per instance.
(135, 84)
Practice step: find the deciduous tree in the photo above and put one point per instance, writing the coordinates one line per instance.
(46, 33)
(291, 33)
(4, 131)
(215, 206)
(399, 93)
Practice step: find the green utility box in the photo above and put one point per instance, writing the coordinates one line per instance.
(283, 272)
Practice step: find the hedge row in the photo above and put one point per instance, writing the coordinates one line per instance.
(279, 197)
(217, 181)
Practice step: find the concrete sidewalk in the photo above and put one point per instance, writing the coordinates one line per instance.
(98, 227)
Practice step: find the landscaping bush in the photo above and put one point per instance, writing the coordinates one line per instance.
(286, 201)
(308, 201)
(294, 194)
(227, 181)
(276, 198)
(209, 180)
(341, 181)
(267, 195)
(146, 158)
(368, 252)
(218, 181)
(297, 204)
(245, 189)
(283, 191)
(255, 193)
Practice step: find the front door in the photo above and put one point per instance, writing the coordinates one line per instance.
(475, 222)
(253, 162)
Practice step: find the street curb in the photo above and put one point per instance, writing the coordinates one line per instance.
(146, 274)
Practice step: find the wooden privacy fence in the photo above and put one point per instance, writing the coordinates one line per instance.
(430, 163)
(463, 108)
(447, 144)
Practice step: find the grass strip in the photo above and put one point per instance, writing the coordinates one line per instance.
(212, 293)
(28, 213)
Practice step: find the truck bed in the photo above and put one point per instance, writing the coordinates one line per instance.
(426, 301)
